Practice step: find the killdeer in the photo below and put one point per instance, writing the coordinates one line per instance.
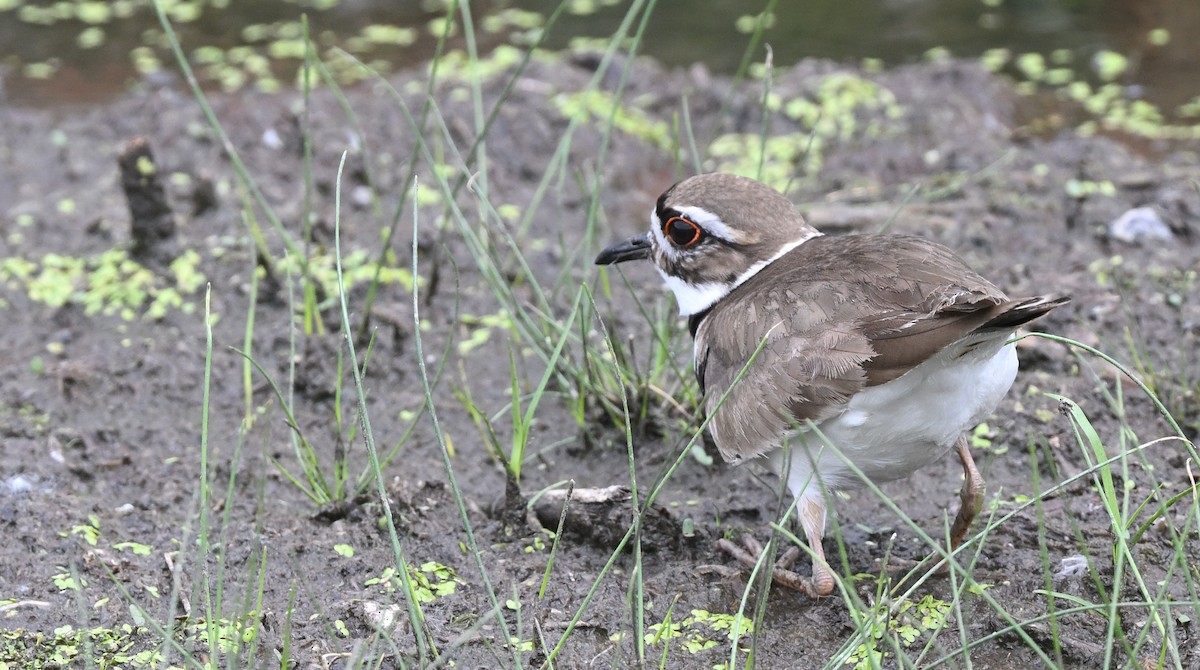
(875, 353)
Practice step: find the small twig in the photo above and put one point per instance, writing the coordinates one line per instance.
(23, 603)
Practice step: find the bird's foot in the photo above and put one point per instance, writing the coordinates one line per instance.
(782, 574)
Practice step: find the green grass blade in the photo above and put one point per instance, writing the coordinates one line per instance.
(424, 642)
(447, 466)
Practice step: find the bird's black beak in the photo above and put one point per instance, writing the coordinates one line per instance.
(631, 249)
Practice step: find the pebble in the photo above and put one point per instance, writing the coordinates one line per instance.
(1140, 225)
(1071, 566)
(18, 484)
(271, 139)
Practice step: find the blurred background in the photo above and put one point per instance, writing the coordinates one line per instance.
(80, 51)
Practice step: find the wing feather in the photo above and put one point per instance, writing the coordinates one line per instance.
(834, 316)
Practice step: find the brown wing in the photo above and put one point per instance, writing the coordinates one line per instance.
(827, 331)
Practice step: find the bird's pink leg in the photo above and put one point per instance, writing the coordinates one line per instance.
(971, 496)
(812, 519)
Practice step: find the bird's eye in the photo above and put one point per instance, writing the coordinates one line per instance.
(681, 232)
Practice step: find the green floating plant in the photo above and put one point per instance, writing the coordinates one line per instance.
(843, 108)
(598, 107)
(430, 582)
(908, 623)
(109, 284)
(699, 631)
(1106, 101)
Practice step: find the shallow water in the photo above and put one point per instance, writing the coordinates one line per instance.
(66, 53)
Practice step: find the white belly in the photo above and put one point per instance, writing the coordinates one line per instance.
(891, 430)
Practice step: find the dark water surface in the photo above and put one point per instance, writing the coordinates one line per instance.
(75, 52)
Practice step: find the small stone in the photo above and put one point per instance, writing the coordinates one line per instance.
(844, 217)
(1071, 566)
(1137, 179)
(19, 483)
(361, 196)
(1140, 225)
(271, 139)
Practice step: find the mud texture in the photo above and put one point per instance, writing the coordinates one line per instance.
(101, 415)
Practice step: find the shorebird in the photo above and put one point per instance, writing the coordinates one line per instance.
(828, 355)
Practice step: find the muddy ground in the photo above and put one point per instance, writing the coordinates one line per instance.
(102, 414)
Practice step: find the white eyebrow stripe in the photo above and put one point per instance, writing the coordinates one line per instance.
(711, 223)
